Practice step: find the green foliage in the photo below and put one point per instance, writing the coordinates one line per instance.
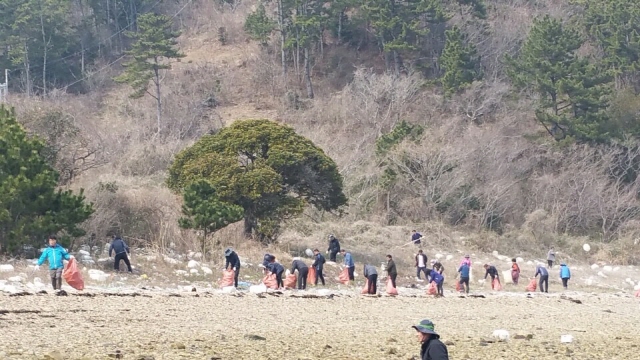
(259, 26)
(398, 134)
(615, 27)
(263, 167)
(154, 42)
(459, 61)
(203, 210)
(30, 206)
(573, 93)
(478, 8)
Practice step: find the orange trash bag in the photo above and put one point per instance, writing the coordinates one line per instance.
(228, 277)
(72, 275)
(458, 287)
(496, 285)
(311, 277)
(432, 289)
(390, 289)
(290, 281)
(365, 289)
(532, 285)
(638, 293)
(344, 276)
(270, 281)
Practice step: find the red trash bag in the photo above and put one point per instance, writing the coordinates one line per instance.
(270, 281)
(311, 277)
(390, 289)
(532, 285)
(290, 281)
(344, 276)
(72, 275)
(228, 277)
(365, 289)
(432, 289)
(495, 285)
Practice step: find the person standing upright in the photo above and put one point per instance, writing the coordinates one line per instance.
(391, 270)
(515, 271)
(318, 264)
(349, 263)
(421, 265)
(334, 248)
(371, 274)
(416, 238)
(233, 262)
(122, 250)
(54, 254)
(464, 271)
(565, 275)
(551, 257)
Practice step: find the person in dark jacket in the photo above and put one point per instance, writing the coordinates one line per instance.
(349, 263)
(334, 248)
(122, 251)
(416, 237)
(391, 270)
(54, 254)
(371, 274)
(421, 265)
(491, 271)
(318, 264)
(544, 278)
(268, 258)
(303, 272)
(464, 271)
(277, 269)
(432, 348)
(233, 262)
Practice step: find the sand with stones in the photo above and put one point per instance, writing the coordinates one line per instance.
(221, 326)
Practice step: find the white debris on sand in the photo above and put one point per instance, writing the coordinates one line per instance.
(98, 275)
(566, 339)
(501, 334)
(193, 264)
(6, 268)
(594, 266)
(206, 270)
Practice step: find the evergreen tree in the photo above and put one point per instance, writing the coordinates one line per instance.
(259, 26)
(459, 61)
(31, 206)
(572, 92)
(153, 48)
(614, 25)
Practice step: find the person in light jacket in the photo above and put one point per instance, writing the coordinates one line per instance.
(431, 347)
(349, 263)
(421, 265)
(551, 257)
(54, 254)
(371, 274)
(565, 275)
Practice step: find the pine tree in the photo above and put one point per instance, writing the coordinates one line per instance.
(459, 61)
(153, 48)
(572, 92)
(259, 26)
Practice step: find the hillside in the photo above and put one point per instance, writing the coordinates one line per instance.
(450, 125)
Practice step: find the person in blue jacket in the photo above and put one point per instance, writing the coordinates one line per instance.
(565, 275)
(54, 254)
(233, 262)
(439, 279)
(464, 276)
(349, 263)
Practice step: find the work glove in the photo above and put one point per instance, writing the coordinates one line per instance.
(234, 269)
(36, 268)
(327, 252)
(71, 257)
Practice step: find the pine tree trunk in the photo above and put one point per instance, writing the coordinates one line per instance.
(307, 73)
(396, 62)
(341, 15)
(27, 69)
(44, 55)
(282, 37)
(158, 99)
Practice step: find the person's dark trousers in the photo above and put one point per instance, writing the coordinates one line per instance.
(332, 256)
(393, 279)
(56, 278)
(544, 283)
(302, 278)
(565, 282)
(279, 279)
(550, 262)
(123, 256)
(373, 283)
(319, 276)
(440, 289)
(423, 269)
(235, 277)
(464, 281)
(351, 270)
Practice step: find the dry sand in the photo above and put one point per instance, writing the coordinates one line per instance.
(220, 326)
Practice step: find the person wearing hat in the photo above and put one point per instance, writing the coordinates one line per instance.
(432, 348)
(466, 260)
(233, 262)
(334, 248)
(565, 275)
